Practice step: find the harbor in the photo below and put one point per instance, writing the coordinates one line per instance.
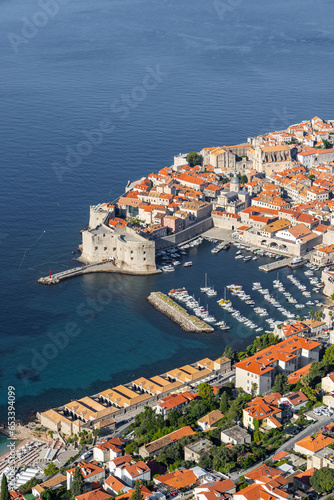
(107, 302)
(281, 304)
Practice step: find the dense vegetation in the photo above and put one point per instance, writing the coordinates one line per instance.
(266, 340)
(194, 158)
(58, 494)
(26, 488)
(322, 480)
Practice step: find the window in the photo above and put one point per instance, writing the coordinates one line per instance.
(105, 248)
(131, 251)
(96, 248)
(144, 258)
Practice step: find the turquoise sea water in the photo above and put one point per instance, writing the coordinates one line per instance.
(220, 75)
(4, 442)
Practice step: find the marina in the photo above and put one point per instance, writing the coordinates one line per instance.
(281, 303)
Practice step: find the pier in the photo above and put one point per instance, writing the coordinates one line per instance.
(275, 265)
(100, 267)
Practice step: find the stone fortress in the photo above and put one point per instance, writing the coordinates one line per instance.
(119, 245)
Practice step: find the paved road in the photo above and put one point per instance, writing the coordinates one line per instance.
(308, 431)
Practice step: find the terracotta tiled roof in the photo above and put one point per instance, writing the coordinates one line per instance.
(316, 443)
(94, 495)
(262, 362)
(178, 479)
(87, 469)
(298, 374)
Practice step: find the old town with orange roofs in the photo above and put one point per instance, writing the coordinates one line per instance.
(246, 426)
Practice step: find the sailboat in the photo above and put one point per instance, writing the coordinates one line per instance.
(205, 288)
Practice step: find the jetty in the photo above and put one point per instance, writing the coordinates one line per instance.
(178, 314)
(275, 265)
(100, 267)
(221, 246)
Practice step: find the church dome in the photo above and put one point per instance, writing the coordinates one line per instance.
(235, 184)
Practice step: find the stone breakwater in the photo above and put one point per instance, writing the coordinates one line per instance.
(99, 267)
(176, 313)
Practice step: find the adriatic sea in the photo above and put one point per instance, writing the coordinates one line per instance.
(142, 80)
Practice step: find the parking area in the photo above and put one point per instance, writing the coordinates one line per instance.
(321, 411)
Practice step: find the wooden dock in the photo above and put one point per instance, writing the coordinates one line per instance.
(275, 265)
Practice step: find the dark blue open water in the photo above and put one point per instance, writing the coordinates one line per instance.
(223, 71)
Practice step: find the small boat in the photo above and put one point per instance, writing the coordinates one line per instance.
(188, 264)
(168, 269)
(297, 262)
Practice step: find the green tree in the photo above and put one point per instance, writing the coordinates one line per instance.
(322, 480)
(230, 354)
(326, 144)
(205, 391)
(26, 488)
(243, 179)
(78, 484)
(254, 387)
(328, 358)
(318, 315)
(137, 494)
(51, 470)
(131, 448)
(224, 403)
(194, 158)
(256, 424)
(281, 383)
(317, 371)
(311, 177)
(310, 394)
(205, 462)
(4, 488)
(48, 495)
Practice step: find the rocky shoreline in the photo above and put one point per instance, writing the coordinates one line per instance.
(176, 313)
